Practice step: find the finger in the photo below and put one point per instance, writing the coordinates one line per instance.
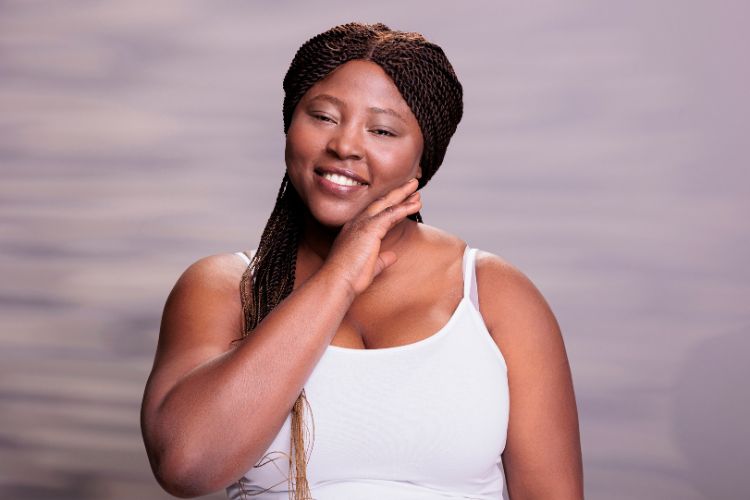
(392, 215)
(385, 260)
(393, 197)
(416, 195)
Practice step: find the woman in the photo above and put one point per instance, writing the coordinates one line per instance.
(367, 355)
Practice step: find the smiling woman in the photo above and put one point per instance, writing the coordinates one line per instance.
(355, 112)
(367, 355)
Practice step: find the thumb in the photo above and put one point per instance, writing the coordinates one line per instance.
(385, 260)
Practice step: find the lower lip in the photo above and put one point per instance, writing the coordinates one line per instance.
(337, 189)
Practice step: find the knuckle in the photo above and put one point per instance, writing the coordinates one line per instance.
(356, 224)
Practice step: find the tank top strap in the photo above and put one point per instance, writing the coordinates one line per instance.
(245, 256)
(470, 282)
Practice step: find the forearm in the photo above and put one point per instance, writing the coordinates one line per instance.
(220, 418)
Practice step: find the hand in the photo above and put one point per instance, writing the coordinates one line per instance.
(355, 253)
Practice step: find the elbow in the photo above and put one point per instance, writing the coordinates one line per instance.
(181, 469)
(183, 476)
(180, 486)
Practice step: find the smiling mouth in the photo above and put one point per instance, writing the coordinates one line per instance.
(339, 179)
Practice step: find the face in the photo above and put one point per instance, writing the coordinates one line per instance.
(351, 126)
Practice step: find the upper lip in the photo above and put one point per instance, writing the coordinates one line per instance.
(341, 171)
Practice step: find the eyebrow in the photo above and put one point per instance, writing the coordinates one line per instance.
(374, 109)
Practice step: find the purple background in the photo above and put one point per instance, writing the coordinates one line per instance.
(603, 151)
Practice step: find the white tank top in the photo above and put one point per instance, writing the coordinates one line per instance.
(422, 421)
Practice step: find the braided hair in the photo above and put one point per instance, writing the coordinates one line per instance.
(426, 80)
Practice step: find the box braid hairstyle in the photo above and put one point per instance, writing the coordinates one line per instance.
(428, 84)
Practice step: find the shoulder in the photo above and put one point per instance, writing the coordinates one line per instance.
(201, 318)
(514, 310)
(439, 245)
(213, 273)
(439, 253)
(206, 293)
(502, 279)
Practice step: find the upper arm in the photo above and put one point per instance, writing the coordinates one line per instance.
(542, 457)
(201, 317)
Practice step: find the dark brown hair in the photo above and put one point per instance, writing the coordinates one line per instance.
(428, 84)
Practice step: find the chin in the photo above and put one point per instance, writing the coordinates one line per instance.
(331, 218)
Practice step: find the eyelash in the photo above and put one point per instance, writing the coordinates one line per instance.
(386, 133)
(322, 118)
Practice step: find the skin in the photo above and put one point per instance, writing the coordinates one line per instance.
(211, 408)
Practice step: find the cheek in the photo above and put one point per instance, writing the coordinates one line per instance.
(300, 144)
(402, 158)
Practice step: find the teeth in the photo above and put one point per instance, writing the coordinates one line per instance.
(341, 180)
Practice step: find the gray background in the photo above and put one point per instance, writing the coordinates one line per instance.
(603, 151)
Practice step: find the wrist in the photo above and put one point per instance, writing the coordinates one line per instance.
(335, 282)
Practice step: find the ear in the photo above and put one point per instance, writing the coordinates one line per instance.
(419, 172)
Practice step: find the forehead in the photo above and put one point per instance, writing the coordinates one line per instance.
(363, 83)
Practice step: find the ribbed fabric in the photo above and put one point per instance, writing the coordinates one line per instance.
(423, 421)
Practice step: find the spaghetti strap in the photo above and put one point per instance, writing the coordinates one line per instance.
(470, 282)
(244, 256)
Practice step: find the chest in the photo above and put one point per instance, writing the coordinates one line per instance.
(403, 305)
(433, 413)
(398, 320)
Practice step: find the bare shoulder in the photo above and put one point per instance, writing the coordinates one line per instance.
(516, 313)
(201, 317)
(214, 273)
(202, 313)
(212, 278)
(500, 278)
(438, 243)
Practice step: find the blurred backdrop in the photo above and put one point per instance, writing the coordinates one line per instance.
(603, 151)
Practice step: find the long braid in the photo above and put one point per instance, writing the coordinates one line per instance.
(267, 281)
(426, 80)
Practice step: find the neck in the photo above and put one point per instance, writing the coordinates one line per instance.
(317, 240)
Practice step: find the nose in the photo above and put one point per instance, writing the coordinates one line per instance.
(346, 142)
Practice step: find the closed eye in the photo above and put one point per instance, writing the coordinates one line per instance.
(323, 118)
(384, 133)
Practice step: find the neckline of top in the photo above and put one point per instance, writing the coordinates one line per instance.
(427, 340)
